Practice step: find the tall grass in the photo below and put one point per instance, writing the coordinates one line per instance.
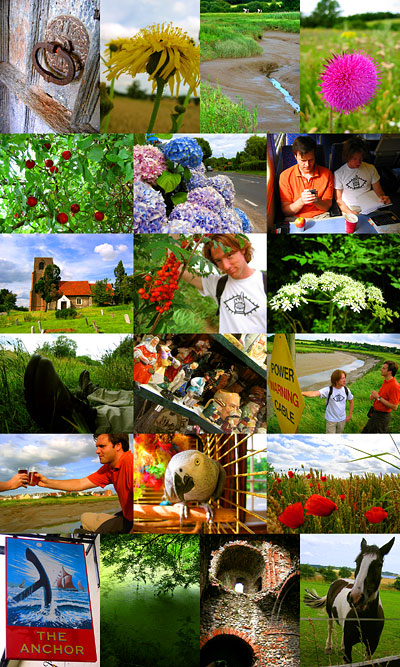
(314, 630)
(381, 115)
(219, 114)
(114, 373)
(106, 322)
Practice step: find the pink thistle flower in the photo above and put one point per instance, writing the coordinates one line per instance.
(349, 80)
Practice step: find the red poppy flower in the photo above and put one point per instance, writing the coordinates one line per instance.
(292, 516)
(279, 491)
(323, 478)
(319, 506)
(376, 514)
(308, 475)
(278, 480)
(290, 474)
(355, 507)
(311, 485)
(342, 496)
(328, 493)
(319, 486)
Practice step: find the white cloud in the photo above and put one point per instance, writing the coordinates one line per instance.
(107, 252)
(116, 30)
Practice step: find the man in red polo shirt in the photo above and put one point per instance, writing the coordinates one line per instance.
(117, 469)
(298, 183)
(384, 401)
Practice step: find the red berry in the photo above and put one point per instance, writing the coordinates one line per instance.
(99, 216)
(49, 163)
(47, 146)
(53, 170)
(147, 279)
(66, 155)
(31, 201)
(75, 208)
(62, 218)
(29, 164)
(141, 291)
(184, 244)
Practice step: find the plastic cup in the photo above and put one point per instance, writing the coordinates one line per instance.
(351, 222)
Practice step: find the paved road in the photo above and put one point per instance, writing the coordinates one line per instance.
(251, 196)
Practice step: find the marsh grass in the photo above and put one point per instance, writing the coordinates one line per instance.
(219, 114)
(236, 35)
(361, 493)
(381, 115)
(314, 629)
(114, 373)
(106, 322)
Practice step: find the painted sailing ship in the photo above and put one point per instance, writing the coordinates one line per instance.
(80, 587)
(64, 580)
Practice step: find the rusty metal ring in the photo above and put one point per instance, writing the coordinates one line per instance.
(53, 47)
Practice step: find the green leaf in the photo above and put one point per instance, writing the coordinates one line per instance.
(96, 154)
(187, 174)
(85, 143)
(179, 198)
(168, 182)
(124, 154)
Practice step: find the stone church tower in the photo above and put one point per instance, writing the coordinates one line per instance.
(39, 264)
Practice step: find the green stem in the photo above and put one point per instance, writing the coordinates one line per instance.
(185, 104)
(330, 120)
(160, 89)
(106, 120)
(330, 317)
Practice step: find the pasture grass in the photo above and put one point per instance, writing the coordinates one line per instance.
(29, 501)
(106, 322)
(219, 114)
(361, 493)
(381, 115)
(130, 115)
(314, 630)
(114, 373)
(235, 35)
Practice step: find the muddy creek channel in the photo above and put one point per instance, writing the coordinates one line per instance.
(270, 81)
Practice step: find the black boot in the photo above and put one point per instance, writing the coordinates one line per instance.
(86, 387)
(51, 404)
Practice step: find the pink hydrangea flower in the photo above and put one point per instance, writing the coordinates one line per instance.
(148, 162)
(349, 80)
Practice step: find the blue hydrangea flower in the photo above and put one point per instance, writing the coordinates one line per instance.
(247, 225)
(231, 222)
(198, 179)
(184, 150)
(224, 186)
(192, 218)
(207, 197)
(149, 214)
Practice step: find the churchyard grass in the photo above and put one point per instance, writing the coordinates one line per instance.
(106, 323)
(314, 629)
(381, 115)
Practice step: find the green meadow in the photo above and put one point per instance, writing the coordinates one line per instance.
(219, 114)
(111, 321)
(314, 629)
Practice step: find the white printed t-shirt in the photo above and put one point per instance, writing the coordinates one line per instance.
(354, 182)
(243, 306)
(336, 408)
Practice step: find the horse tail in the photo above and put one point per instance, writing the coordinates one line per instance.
(311, 599)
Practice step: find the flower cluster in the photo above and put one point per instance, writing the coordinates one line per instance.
(207, 197)
(184, 150)
(163, 285)
(149, 213)
(225, 187)
(192, 218)
(149, 163)
(341, 290)
(349, 80)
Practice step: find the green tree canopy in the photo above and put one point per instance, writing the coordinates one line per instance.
(101, 295)
(256, 147)
(47, 286)
(205, 147)
(62, 347)
(345, 572)
(8, 300)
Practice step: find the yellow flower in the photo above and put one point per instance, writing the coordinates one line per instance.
(163, 51)
(349, 34)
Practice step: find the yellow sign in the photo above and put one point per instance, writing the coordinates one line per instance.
(284, 387)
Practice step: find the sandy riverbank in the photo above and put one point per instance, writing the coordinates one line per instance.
(248, 79)
(28, 518)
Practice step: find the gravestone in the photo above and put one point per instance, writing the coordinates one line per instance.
(127, 320)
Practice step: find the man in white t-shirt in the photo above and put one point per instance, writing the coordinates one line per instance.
(336, 396)
(240, 293)
(356, 177)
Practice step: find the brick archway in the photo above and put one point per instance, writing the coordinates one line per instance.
(229, 644)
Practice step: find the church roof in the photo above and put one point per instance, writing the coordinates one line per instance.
(78, 287)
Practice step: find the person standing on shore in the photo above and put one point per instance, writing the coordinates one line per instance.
(336, 395)
(384, 401)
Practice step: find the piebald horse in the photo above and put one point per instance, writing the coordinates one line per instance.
(355, 604)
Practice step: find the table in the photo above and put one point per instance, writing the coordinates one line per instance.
(337, 225)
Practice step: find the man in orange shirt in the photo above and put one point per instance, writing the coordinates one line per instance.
(306, 189)
(117, 469)
(386, 400)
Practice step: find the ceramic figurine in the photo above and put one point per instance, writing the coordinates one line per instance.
(223, 405)
(145, 359)
(194, 391)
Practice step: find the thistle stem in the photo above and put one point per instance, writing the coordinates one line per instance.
(160, 89)
(330, 120)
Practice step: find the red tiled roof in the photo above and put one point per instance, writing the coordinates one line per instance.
(78, 287)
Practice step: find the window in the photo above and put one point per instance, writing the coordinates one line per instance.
(78, 301)
(41, 266)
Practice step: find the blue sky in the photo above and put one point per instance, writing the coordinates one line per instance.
(126, 17)
(226, 145)
(333, 454)
(340, 550)
(66, 456)
(80, 257)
